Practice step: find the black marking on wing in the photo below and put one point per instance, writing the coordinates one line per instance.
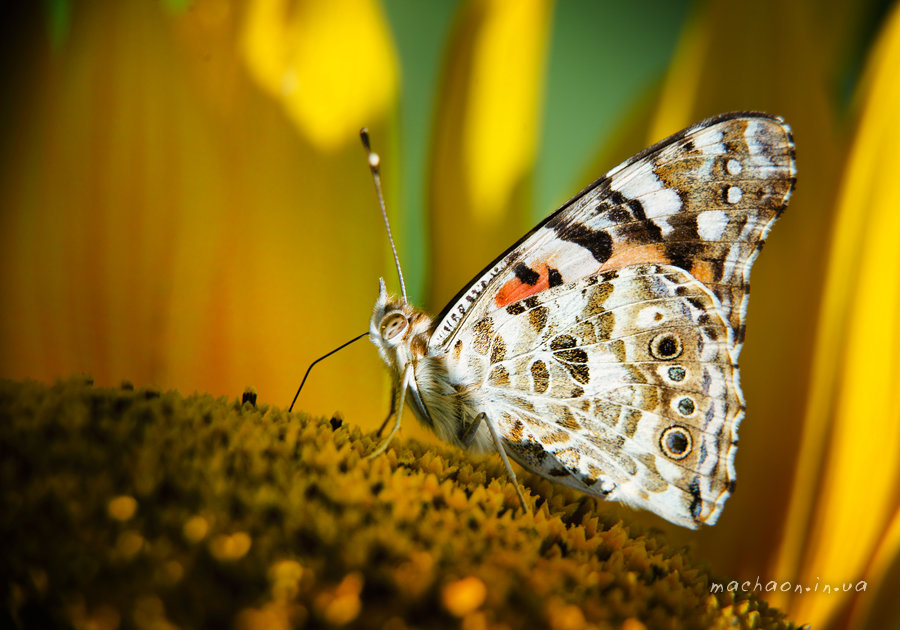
(637, 209)
(684, 244)
(697, 502)
(516, 308)
(638, 228)
(683, 254)
(526, 274)
(598, 242)
(554, 278)
(635, 206)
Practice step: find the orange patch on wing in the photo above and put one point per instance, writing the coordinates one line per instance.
(516, 290)
(704, 271)
(641, 255)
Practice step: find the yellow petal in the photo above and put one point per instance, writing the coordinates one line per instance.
(864, 614)
(331, 64)
(167, 226)
(501, 112)
(681, 87)
(857, 373)
(486, 134)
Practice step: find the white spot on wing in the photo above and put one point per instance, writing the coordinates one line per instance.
(646, 187)
(755, 143)
(663, 225)
(711, 224)
(717, 388)
(735, 194)
(733, 166)
(647, 317)
(710, 140)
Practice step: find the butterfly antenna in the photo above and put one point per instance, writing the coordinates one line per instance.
(374, 162)
(324, 356)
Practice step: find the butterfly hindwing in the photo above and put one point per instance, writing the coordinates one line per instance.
(621, 384)
(702, 200)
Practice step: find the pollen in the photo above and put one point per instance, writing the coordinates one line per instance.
(463, 596)
(195, 529)
(227, 548)
(122, 508)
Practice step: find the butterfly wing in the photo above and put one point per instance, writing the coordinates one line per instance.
(622, 384)
(702, 200)
(604, 344)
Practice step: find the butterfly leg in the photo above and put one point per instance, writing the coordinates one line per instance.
(404, 383)
(467, 434)
(499, 445)
(391, 411)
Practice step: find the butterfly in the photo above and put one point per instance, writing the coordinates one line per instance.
(600, 350)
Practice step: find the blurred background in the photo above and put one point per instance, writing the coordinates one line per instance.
(184, 204)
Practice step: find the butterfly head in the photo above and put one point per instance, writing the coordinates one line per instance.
(398, 330)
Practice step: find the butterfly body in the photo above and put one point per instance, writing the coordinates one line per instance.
(600, 351)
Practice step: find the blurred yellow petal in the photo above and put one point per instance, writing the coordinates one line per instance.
(166, 226)
(857, 374)
(331, 64)
(87, 211)
(486, 135)
(681, 88)
(886, 557)
(500, 135)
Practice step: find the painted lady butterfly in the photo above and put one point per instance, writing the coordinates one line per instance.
(600, 351)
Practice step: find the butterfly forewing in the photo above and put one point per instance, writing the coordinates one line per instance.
(703, 200)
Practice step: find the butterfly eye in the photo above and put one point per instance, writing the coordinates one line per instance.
(675, 442)
(393, 325)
